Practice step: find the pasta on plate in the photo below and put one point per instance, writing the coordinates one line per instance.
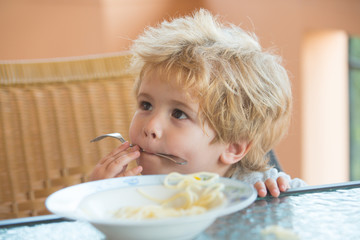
(196, 194)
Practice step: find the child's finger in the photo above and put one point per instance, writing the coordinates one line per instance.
(122, 152)
(99, 172)
(116, 166)
(272, 186)
(260, 188)
(283, 184)
(115, 152)
(132, 172)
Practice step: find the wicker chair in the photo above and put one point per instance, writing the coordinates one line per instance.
(49, 110)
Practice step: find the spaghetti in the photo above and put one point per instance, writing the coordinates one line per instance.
(196, 193)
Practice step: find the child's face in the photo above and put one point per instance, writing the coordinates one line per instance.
(166, 121)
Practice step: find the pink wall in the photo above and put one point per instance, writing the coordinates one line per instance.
(63, 28)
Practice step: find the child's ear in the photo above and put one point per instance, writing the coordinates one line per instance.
(234, 152)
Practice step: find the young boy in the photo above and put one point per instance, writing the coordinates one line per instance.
(207, 93)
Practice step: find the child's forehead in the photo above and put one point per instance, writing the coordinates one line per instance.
(175, 78)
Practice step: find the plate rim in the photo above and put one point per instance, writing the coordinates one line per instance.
(125, 182)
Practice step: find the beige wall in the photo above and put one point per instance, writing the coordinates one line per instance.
(63, 28)
(325, 135)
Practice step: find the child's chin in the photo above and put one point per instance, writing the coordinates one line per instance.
(153, 170)
(148, 168)
(150, 172)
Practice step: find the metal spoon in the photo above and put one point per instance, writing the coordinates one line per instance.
(118, 136)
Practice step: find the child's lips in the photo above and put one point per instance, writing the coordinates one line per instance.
(152, 152)
(148, 151)
(173, 158)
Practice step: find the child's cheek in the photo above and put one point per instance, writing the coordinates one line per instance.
(133, 136)
(134, 129)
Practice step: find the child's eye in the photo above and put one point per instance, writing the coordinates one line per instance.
(145, 106)
(179, 114)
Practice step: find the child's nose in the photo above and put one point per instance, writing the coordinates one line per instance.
(153, 128)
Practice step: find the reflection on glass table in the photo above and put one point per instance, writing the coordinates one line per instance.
(320, 212)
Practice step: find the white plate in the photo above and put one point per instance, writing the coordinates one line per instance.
(100, 197)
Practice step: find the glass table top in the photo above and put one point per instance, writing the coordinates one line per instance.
(324, 214)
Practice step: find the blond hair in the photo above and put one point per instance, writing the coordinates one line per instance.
(244, 93)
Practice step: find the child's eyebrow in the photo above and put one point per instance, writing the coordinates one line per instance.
(144, 95)
(183, 105)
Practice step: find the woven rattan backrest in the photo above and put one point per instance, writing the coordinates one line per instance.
(48, 113)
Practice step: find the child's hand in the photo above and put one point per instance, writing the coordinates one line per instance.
(274, 187)
(116, 162)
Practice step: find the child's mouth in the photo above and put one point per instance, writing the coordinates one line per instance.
(172, 158)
